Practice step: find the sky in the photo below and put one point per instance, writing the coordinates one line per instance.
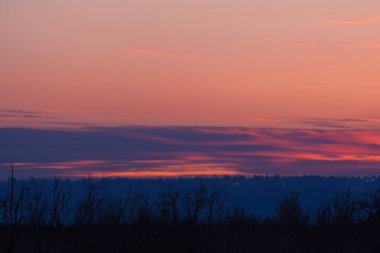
(138, 151)
(260, 64)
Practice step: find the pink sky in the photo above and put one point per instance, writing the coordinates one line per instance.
(206, 62)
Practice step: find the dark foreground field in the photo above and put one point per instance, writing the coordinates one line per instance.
(48, 216)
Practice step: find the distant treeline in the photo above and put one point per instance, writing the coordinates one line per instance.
(36, 219)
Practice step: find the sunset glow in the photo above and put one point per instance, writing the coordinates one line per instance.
(189, 151)
(182, 88)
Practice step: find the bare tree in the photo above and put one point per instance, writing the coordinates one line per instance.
(168, 205)
(13, 212)
(215, 205)
(370, 205)
(344, 208)
(36, 213)
(36, 204)
(289, 210)
(116, 210)
(89, 210)
(58, 203)
(203, 204)
(194, 203)
(323, 214)
(140, 210)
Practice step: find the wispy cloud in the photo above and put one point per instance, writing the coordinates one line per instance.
(176, 151)
(355, 21)
(8, 114)
(318, 123)
(178, 172)
(160, 53)
(44, 119)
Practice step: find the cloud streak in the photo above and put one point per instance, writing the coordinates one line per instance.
(41, 119)
(318, 123)
(19, 116)
(189, 151)
(355, 21)
(22, 114)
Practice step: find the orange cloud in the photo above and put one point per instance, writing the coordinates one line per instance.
(61, 165)
(357, 21)
(161, 173)
(159, 53)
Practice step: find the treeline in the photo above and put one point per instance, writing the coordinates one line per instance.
(33, 219)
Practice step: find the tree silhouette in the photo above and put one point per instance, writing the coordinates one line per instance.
(38, 217)
(289, 210)
(89, 210)
(344, 209)
(12, 212)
